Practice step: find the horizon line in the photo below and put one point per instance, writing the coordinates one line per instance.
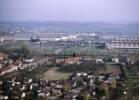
(62, 21)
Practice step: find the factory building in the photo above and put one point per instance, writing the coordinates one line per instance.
(123, 42)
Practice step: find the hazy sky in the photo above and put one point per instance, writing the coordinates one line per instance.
(70, 10)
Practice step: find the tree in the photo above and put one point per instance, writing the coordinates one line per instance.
(25, 51)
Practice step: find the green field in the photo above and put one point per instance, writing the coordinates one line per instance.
(81, 50)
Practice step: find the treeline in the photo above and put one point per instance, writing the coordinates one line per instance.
(17, 53)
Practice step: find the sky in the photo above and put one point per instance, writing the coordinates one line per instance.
(70, 10)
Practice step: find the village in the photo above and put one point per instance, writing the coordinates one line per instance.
(89, 77)
(70, 67)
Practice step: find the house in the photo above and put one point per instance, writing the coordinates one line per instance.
(86, 58)
(3, 56)
(58, 61)
(28, 60)
(99, 60)
(116, 60)
(72, 60)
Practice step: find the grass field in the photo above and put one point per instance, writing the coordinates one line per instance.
(80, 50)
(112, 69)
(53, 74)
